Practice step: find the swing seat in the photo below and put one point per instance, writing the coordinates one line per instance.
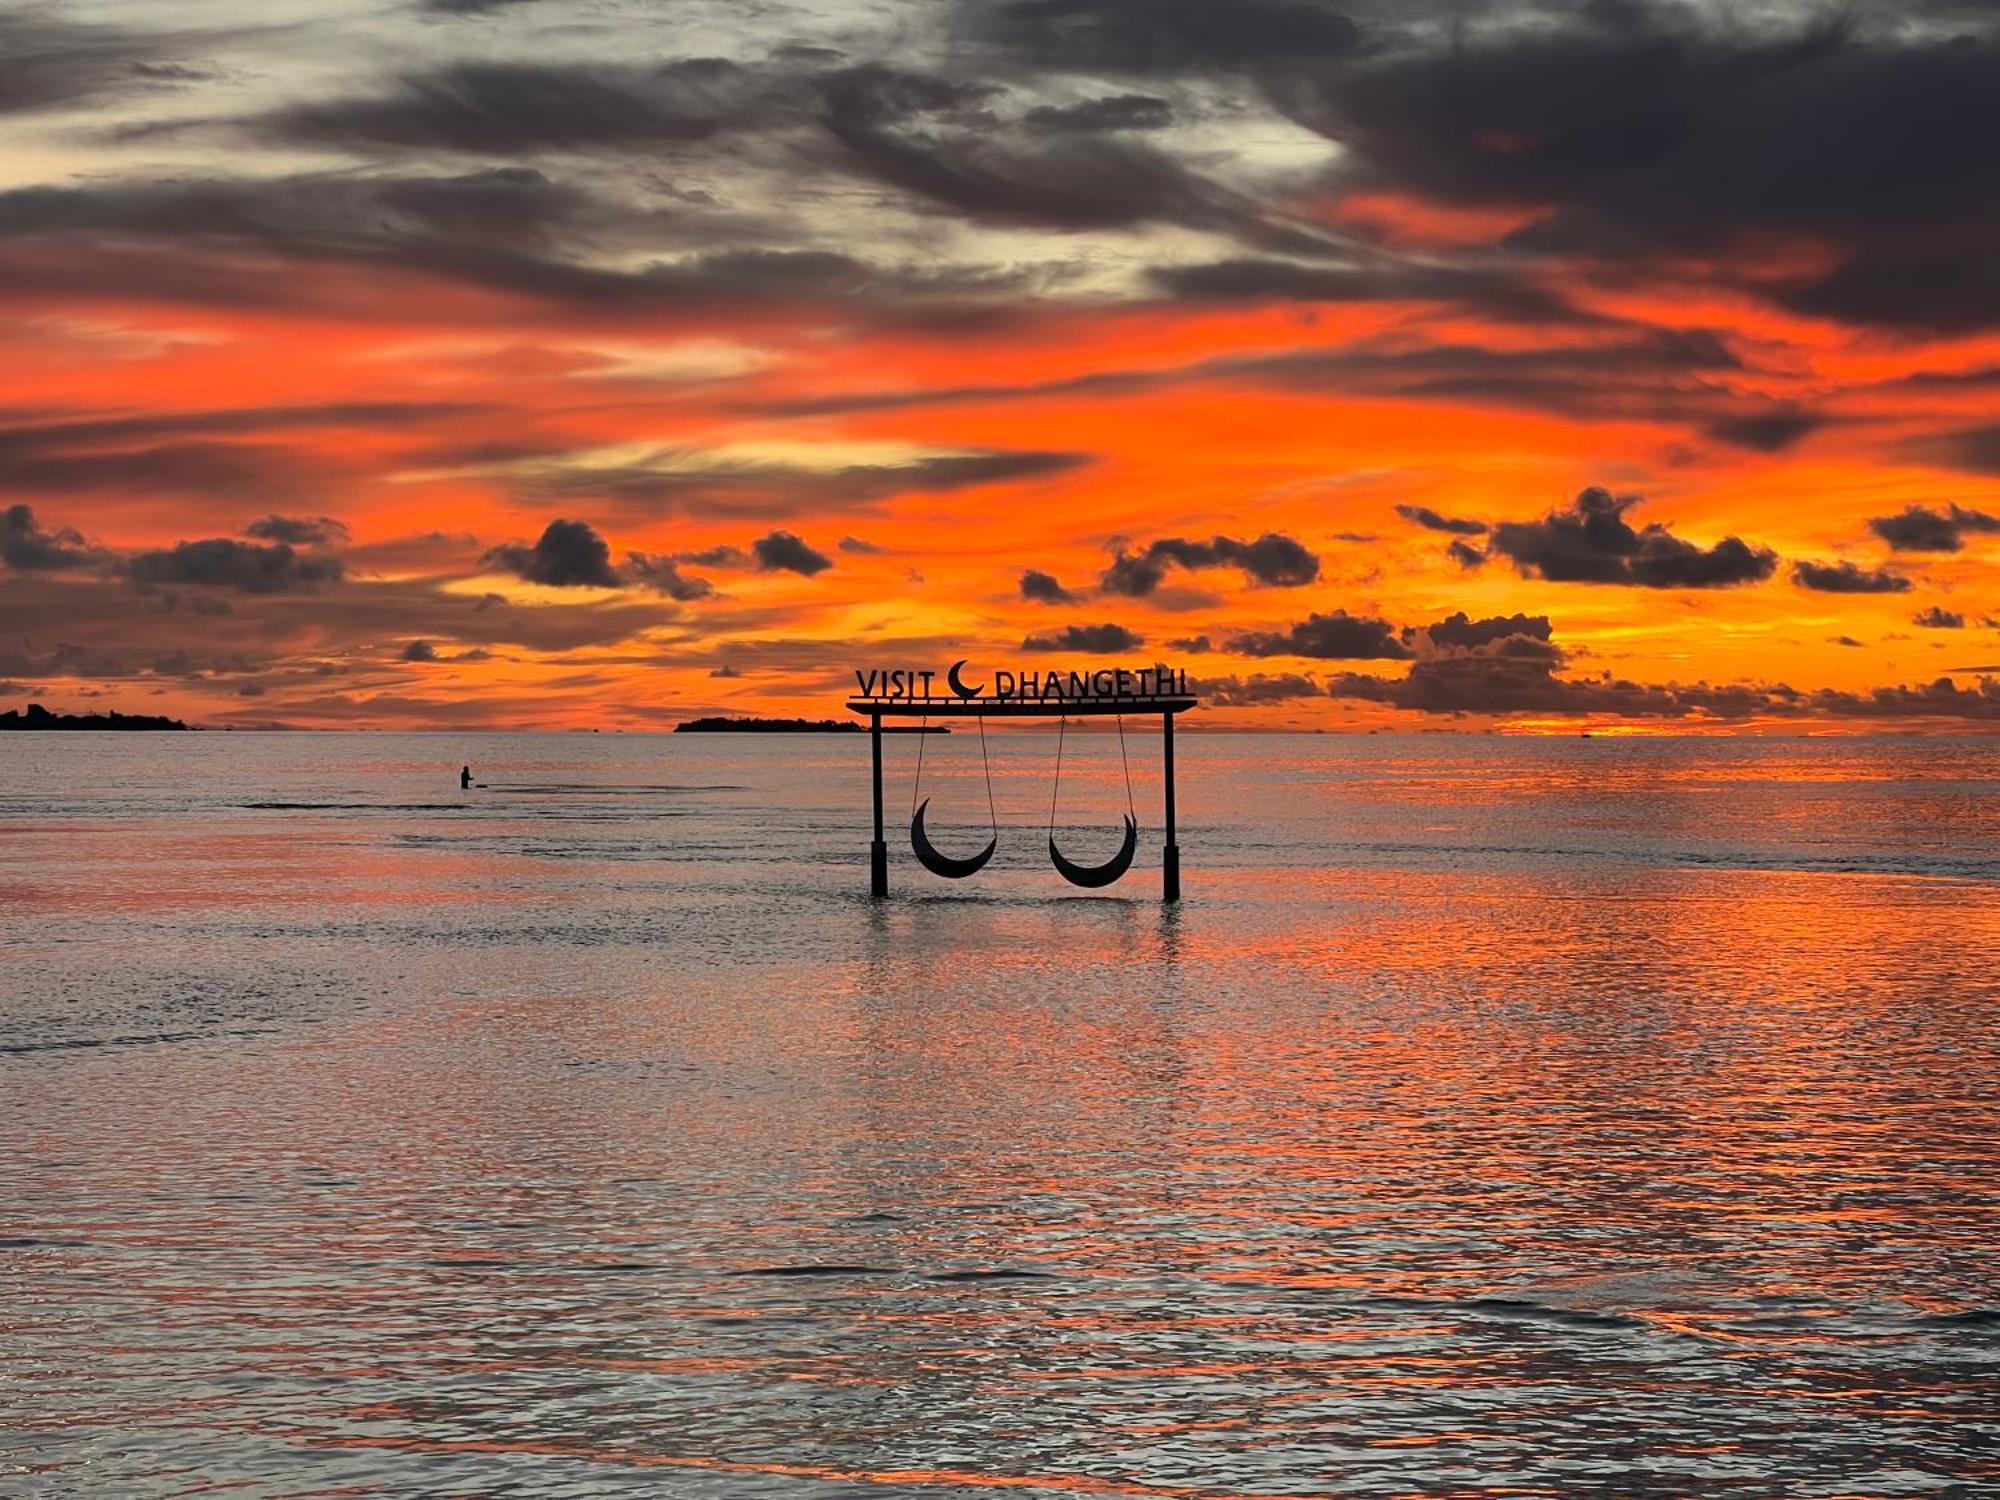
(1091, 877)
(939, 863)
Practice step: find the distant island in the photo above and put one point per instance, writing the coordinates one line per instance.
(719, 725)
(38, 717)
(768, 726)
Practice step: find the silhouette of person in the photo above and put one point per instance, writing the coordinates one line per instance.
(465, 778)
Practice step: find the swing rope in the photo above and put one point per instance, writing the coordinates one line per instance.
(1124, 760)
(1056, 789)
(985, 762)
(1132, 811)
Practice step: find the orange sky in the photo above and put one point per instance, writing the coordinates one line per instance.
(884, 335)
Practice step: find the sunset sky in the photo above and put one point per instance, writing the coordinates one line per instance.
(407, 363)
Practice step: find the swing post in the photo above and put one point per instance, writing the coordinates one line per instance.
(1170, 857)
(878, 852)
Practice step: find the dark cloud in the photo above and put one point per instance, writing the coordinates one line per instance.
(568, 554)
(1111, 112)
(1070, 182)
(663, 575)
(1650, 376)
(469, 7)
(1848, 578)
(1936, 618)
(1044, 588)
(27, 548)
(1681, 131)
(1167, 36)
(1974, 448)
(198, 452)
(1194, 645)
(1423, 515)
(224, 562)
(300, 531)
(1590, 541)
(1766, 431)
(512, 230)
(695, 483)
(1460, 632)
(1917, 528)
(48, 62)
(420, 651)
(1098, 640)
(1509, 294)
(1257, 688)
(854, 546)
(1465, 555)
(1338, 636)
(493, 109)
(1272, 560)
(781, 551)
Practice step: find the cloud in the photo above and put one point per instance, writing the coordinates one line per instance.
(1973, 448)
(1044, 588)
(468, 7)
(1936, 618)
(1460, 632)
(1273, 560)
(188, 452)
(1095, 640)
(1257, 688)
(300, 531)
(695, 482)
(568, 554)
(1166, 36)
(490, 108)
(224, 562)
(27, 548)
(663, 575)
(420, 651)
(47, 62)
(1848, 578)
(1653, 134)
(1108, 112)
(1338, 636)
(854, 546)
(1465, 555)
(1591, 542)
(1766, 431)
(1423, 515)
(1918, 528)
(781, 551)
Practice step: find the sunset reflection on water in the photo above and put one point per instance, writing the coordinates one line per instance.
(1540, 1118)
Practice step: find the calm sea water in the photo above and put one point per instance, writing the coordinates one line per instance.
(1495, 1117)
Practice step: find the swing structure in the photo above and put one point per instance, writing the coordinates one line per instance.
(973, 703)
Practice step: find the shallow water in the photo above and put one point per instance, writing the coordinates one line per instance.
(1495, 1117)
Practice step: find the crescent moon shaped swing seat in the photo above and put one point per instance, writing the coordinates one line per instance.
(928, 854)
(936, 860)
(1092, 877)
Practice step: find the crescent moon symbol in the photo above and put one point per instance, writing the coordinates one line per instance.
(958, 685)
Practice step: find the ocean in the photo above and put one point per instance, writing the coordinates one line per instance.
(1495, 1116)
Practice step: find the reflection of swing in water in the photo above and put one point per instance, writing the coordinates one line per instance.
(1091, 877)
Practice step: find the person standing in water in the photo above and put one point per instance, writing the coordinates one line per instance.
(465, 778)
